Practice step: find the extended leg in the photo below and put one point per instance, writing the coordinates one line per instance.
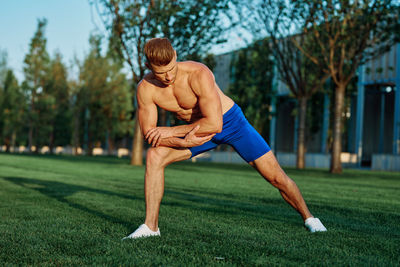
(269, 168)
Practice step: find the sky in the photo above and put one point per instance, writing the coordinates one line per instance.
(69, 24)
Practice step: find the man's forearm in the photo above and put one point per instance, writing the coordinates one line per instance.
(173, 142)
(206, 128)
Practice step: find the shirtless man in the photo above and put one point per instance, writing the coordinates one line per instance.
(188, 89)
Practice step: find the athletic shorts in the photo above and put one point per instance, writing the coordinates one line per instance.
(238, 133)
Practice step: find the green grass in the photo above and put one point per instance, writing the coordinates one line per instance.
(60, 210)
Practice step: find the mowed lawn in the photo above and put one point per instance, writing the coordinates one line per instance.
(64, 210)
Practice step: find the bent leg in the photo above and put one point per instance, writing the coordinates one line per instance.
(269, 168)
(156, 160)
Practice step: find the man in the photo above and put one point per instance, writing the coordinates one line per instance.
(188, 89)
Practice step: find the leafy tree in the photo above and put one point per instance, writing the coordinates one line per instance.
(192, 27)
(12, 110)
(347, 33)
(3, 66)
(252, 83)
(278, 20)
(36, 70)
(3, 72)
(57, 86)
(105, 94)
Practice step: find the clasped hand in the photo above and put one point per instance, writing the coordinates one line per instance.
(155, 135)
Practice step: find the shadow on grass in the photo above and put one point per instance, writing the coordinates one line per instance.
(71, 158)
(60, 192)
(174, 197)
(254, 208)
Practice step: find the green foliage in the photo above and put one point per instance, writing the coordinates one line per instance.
(57, 87)
(351, 33)
(3, 65)
(12, 110)
(36, 69)
(37, 60)
(252, 88)
(191, 26)
(105, 93)
(77, 213)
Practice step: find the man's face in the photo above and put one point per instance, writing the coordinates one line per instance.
(166, 74)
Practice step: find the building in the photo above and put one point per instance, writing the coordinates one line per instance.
(373, 118)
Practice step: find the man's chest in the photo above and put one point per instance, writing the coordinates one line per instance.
(176, 98)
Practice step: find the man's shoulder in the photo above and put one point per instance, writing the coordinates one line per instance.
(145, 87)
(147, 82)
(193, 66)
(196, 70)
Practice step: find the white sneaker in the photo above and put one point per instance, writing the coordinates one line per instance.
(142, 231)
(314, 225)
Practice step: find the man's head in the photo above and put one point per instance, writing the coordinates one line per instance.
(161, 59)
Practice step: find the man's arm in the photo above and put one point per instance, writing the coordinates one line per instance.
(204, 86)
(147, 112)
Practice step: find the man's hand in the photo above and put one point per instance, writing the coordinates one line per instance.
(192, 140)
(154, 136)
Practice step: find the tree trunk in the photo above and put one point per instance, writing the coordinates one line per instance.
(30, 136)
(7, 144)
(32, 111)
(89, 149)
(137, 145)
(51, 142)
(300, 161)
(13, 139)
(336, 164)
(76, 135)
(110, 142)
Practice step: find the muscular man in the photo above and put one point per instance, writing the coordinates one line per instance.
(188, 89)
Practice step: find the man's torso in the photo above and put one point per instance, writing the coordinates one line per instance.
(180, 98)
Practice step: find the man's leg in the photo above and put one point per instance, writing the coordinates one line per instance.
(156, 160)
(269, 168)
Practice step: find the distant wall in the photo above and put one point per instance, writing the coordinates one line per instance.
(382, 162)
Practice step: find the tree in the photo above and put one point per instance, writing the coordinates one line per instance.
(192, 26)
(278, 20)
(36, 70)
(251, 88)
(3, 66)
(3, 73)
(57, 86)
(12, 109)
(348, 33)
(105, 95)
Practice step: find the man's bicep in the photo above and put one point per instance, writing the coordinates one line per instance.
(147, 110)
(147, 117)
(209, 100)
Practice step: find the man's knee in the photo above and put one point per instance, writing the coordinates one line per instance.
(280, 180)
(156, 156)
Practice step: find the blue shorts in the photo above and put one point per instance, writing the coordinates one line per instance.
(238, 133)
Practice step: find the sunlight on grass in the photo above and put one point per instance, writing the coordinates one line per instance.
(74, 211)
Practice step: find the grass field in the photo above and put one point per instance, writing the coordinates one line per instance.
(60, 210)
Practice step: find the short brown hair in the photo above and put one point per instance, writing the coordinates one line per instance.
(159, 51)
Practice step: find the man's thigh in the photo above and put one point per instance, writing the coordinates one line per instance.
(269, 168)
(167, 155)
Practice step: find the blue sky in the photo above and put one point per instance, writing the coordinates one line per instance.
(68, 28)
(69, 24)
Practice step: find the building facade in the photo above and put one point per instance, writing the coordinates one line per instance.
(372, 136)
